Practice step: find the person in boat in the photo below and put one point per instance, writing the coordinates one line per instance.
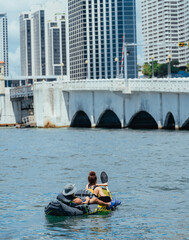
(68, 194)
(96, 189)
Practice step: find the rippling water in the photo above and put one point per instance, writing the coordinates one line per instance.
(148, 172)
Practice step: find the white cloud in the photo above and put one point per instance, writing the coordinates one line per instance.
(13, 29)
(140, 59)
(19, 5)
(14, 62)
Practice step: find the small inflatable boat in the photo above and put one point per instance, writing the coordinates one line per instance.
(62, 207)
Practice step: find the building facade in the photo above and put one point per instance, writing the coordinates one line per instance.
(57, 47)
(4, 42)
(42, 40)
(25, 44)
(164, 25)
(96, 30)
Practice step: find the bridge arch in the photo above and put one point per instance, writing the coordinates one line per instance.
(80, 119)
(108, 119)
(185, 126)
(169, 122)
(142, 120)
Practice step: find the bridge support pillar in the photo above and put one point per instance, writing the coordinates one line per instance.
(160, 125)
(93, 125)
(2, 79)
(122, 123)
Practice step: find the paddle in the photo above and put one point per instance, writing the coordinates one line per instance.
(104, 179)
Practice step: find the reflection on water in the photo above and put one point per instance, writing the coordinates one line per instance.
(95, 225)
(148, 172)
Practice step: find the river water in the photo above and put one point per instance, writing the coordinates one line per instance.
(148, 171)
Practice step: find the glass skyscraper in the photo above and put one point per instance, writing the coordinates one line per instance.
(96, 29)
(4, 42)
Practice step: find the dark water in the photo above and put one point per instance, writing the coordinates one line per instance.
(148, 171)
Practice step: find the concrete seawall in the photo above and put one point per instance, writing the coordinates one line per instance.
(50, 105)
(53, 106)
(9, 112)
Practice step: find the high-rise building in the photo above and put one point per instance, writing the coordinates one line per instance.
(164, 25)
(25, 44)
(4, 42)
(43, 40)
(96, 29)
(57, 47)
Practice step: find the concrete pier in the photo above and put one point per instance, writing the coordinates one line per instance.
(57, 106)
(109, 103)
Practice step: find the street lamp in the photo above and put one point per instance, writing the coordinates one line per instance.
(169, 65)
(126, 54)
(86, 62)
(62, 73)
(117, 67)
(152, 57)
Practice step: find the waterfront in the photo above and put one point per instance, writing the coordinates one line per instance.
(148, 172)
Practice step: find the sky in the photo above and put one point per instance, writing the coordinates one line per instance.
(13, 10)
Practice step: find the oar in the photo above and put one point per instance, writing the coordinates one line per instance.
(104, 179)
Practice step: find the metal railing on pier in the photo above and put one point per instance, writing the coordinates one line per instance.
(177, 85)
(131, 85)
(94, 85)
(21, 92)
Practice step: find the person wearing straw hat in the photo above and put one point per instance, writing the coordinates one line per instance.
(69, 193)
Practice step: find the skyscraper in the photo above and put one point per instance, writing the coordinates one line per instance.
(4, 42)
(96, 29)
(39, 42)
(25, 44)
(43, 40)
(57, 46)
(164, 25)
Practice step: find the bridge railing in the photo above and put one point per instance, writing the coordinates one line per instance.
(98, 85)
(131, 85)
(22, 91)
(159, 85)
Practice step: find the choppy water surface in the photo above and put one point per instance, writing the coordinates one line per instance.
(148, 171)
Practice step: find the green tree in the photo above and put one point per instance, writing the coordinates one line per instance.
(139, 67)
(162, 70)
(155, 68)
(174, 68)
(147, 70)
(187, 65)
(175, 62)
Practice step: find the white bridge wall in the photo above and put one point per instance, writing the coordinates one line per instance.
(51, 107)
(55, 107)
(149, 102)
(10, 113)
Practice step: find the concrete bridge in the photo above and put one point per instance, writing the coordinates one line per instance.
(113, 103)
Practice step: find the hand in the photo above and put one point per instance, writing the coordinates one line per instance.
(87, 200)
